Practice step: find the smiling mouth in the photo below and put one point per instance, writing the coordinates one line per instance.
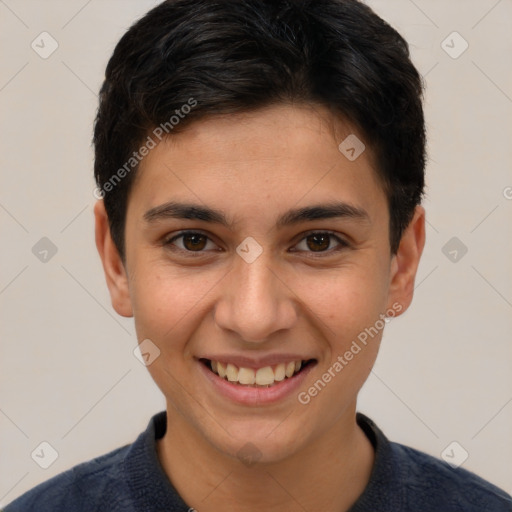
(265, 377)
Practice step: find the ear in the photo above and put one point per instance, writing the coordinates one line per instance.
(404, 263)
(113, 266)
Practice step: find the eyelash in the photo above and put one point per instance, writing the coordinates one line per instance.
(342, 243)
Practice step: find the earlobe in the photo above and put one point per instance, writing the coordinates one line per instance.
(404, 264)
(115, 273)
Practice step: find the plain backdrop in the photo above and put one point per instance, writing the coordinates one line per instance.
(67, 370)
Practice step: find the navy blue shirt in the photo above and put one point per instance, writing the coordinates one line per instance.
(131, 479)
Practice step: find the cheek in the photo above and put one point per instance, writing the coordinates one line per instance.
(347, 301)
(165, 301)
(350, 308)
(351, 330)
(167, 308)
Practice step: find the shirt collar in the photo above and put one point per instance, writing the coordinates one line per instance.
(151, 489)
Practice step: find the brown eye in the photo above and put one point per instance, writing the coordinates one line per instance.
(321, 242)
(194, 241)
(190, 241)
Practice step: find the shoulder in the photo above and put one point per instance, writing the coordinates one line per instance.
(404, 479)
(82, 488)
(441, 487)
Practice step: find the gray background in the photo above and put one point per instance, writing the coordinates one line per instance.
(67, 370)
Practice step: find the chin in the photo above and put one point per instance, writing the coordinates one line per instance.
(259, 442)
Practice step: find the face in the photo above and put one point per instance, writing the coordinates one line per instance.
(256, 250)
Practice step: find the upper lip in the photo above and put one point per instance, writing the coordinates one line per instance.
(255, 362)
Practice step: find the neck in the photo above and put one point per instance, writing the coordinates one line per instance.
(328, 475)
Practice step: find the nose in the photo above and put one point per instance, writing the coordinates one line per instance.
(256, 302)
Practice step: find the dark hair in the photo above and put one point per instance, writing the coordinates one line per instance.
(187, 59)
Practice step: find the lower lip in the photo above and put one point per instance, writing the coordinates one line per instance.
(248, 395)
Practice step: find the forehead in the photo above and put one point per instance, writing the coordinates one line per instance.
(281, 154)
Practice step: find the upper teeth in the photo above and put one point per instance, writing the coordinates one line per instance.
(265, 376)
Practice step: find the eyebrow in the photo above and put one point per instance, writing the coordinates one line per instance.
(330, 210)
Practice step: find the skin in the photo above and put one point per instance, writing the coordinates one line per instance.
(295, 298)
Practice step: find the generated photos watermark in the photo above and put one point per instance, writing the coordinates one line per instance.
(304, 397)
(151, 141)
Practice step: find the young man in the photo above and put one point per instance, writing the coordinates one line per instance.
(260, 169)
